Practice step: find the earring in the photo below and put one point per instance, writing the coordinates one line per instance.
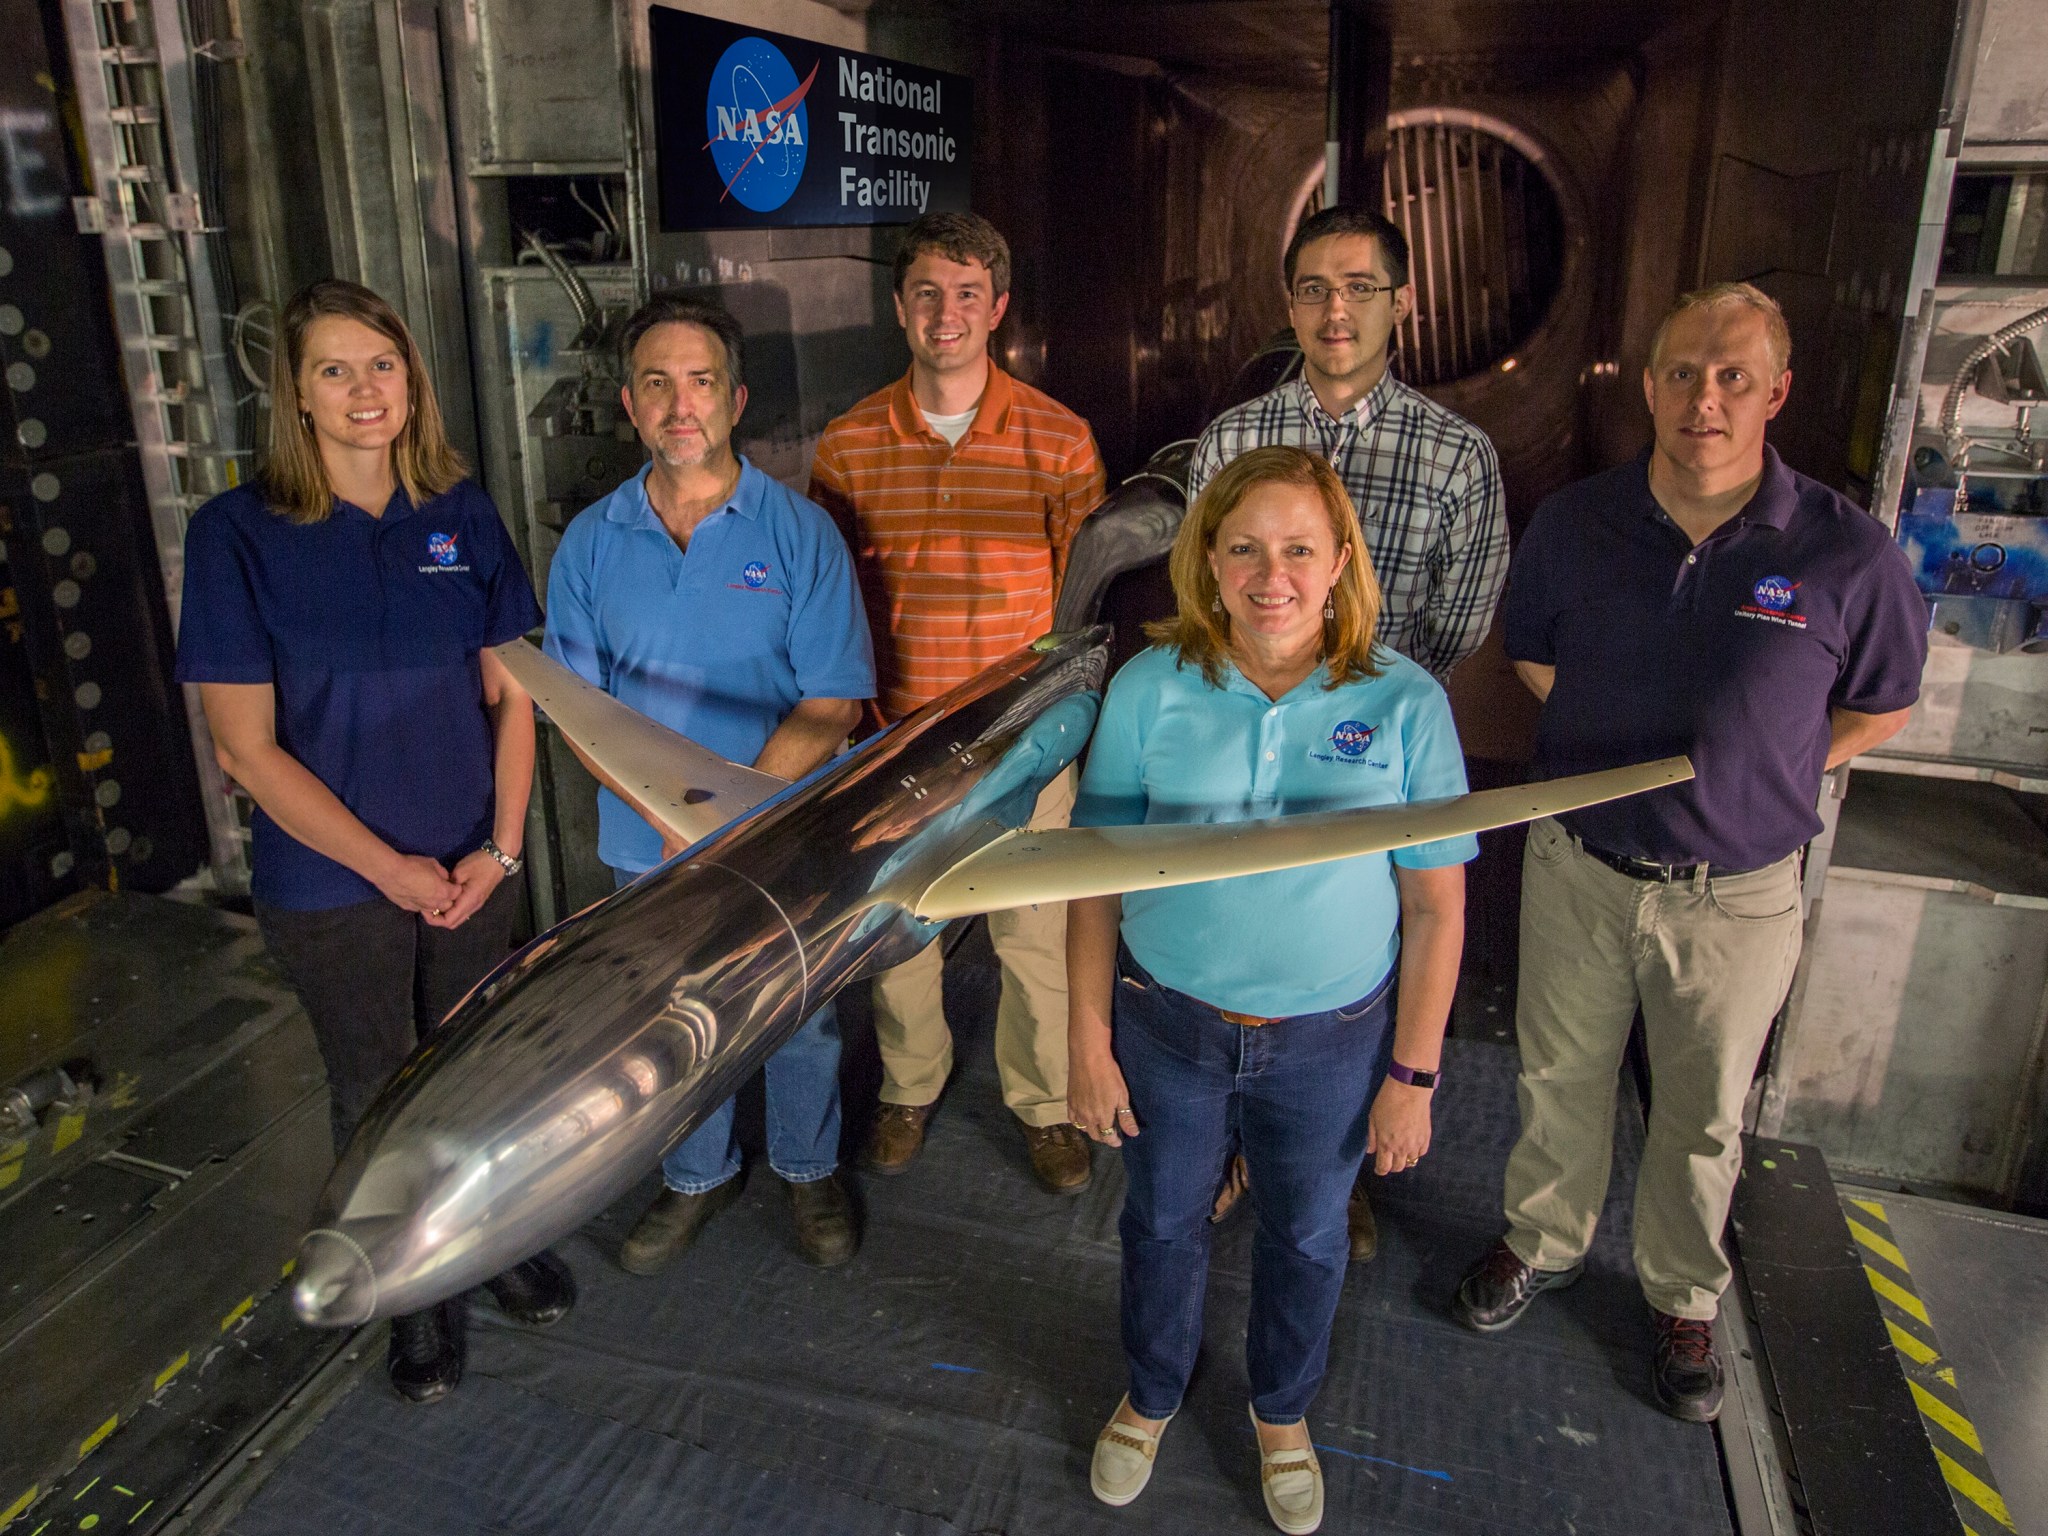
(1216, 603)
(1329, 611)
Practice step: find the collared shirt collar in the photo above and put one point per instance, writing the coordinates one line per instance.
(1368, 405)
(1235, 681)
(991, 415)
(629, 503)
(397, 509)
(1771, 504)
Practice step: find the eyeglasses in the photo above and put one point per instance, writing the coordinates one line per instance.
(1313, 295)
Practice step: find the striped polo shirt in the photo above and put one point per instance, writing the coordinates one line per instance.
(959, 549)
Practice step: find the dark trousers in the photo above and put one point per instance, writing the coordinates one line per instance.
(1294, 1095)
(375, 979)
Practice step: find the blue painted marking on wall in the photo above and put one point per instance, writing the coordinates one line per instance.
(964, 1370)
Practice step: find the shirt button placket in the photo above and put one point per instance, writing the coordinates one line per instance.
(1266, 772)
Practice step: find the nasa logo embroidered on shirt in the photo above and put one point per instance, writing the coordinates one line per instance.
(1773, 597)
(755, 574)
(444, 552)
(1776, 593)
(1352, 737)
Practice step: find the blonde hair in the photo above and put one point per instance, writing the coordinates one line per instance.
(1202, 634)
(294, 476)
(1777, 334)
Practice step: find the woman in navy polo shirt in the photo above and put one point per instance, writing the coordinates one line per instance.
(1255, 1009)
(336, 617)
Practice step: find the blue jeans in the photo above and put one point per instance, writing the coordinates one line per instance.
(803, 1112)
(1294, 1097)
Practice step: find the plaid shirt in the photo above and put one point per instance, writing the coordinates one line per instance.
(1427, 486)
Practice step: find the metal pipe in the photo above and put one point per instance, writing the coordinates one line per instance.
(1460, 319)
(1426, 214)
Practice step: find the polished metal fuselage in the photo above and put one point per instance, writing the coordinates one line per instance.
(561, 1080)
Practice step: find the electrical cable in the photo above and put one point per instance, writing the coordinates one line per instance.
(1952, 402)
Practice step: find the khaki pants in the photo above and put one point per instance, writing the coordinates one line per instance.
(1031, 1017)
(1709, 961)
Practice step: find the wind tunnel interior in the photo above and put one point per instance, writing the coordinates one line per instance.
(1563, 171)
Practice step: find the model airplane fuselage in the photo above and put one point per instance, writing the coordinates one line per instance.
(562, 1079)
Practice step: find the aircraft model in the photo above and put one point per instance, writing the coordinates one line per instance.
(563, 1077)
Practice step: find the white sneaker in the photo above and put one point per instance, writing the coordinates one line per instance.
(1122, 1464)
(1292, 1482)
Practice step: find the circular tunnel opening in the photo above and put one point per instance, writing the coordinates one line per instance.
(1486, 239)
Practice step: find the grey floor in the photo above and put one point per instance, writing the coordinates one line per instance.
(1984, 1278)
(952, 1378)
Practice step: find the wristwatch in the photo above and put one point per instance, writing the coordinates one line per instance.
(511, 865)
(1412, 1076)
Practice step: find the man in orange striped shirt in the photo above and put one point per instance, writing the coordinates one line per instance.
(960, 490)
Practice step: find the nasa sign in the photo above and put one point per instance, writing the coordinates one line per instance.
(755, 129)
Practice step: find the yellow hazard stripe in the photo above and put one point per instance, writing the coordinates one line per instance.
(172, 1369)
(1898, 1296)
(1947, 1417)
(19, 1504)
(1915, 1351)
(1871, 1208)
(1882, 1247)
(242, 1310)
(92, 1441)
(1975, 1489)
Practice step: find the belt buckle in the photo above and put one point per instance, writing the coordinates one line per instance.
(1244, 1020)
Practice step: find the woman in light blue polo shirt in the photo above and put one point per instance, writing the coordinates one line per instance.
(1255, 1009)
(338, 613)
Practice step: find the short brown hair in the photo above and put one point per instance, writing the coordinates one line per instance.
(295, 480)
(1350, 219)
(1202, 635)
(681, 309)
(961, 237)
(1778, 335)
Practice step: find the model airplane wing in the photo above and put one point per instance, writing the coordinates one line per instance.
(686, 789)
(1019, 868)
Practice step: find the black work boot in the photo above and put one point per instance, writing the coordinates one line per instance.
(824, 1220)
(426, 1352)
(537, 1291)
(671, 1224)
(1685, 1372)
(1500, 1287)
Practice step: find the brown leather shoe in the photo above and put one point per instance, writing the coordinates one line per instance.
(825, 1229)
(1365, 1230)
(896, 1139)
(671, 1224)
(1060, 1157)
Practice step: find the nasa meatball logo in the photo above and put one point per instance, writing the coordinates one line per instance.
(443, 551)
(755, 575)
(1775, 593)
(759, 128)
(1771, 601)
(1351, 738)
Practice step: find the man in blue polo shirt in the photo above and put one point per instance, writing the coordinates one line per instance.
(1704, 600)
(715, 601)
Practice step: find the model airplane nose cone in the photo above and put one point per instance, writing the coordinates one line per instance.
(336, 1287)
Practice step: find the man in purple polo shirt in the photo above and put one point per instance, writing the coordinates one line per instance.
(1704, 600)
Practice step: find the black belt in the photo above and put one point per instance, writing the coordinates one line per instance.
(1663, 874)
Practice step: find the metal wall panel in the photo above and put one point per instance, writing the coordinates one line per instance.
(541, 65)
(1919, 1005)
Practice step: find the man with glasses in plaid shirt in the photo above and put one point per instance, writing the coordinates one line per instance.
(1426, 481)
